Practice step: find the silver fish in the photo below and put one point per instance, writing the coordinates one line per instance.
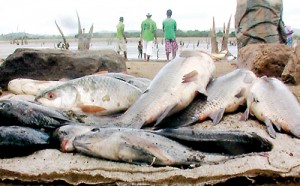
(93, 94)
(271, 101)
(224, 94)
(138, 146)
(171, 90)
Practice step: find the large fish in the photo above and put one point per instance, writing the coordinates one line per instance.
(138, 146)
(272, 102)
(30, 86)
(171, 90)
(223, 142)
(224, 94)
(17, 141)
(25, 113)
(93, 94)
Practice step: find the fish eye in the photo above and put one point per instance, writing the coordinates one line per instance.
(51, 95)
(64, 133)
(95, 130)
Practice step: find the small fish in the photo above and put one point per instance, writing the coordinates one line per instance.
(20, 141)
(271, 102)
(25, 113)
(223, 142)
(66, 135)
(171, 90)
(93, 94)
(138, 146)
(224, 94)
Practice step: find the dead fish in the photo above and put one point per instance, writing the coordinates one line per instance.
(224, 95)
(25, 113)
(171, 90)
(141, 83)
(20, 141)
(271, 101)
(30, 86)
(65, 135)
(223, 142)
(93, 94)
(137, 146)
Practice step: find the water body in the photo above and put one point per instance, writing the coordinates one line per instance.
(158, 52)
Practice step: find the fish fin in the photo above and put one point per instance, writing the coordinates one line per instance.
(277, 126)
(249, 79)
(91, 108)
(201, 90)
(240, 93)
(245, 115)
(164, 114)
(189, 77)
(217, 116)
(270, 128)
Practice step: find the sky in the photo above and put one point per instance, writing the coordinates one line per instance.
(39, 16)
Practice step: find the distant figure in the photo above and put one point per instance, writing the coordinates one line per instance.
(121, 43)
(148, 34)
(289, 35)
(169, 28)
(140, 50)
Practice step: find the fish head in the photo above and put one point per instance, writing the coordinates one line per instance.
(90, 141)
(66, 135)
(60, 98)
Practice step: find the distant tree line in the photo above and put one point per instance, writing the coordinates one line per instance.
(179, 33)
(131, 34)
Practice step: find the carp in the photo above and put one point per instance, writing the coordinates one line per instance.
(171, 90)
(93, 94)
(224, 94)
(271, 102)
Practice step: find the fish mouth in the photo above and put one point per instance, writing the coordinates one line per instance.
(80, 146)
(67, 146)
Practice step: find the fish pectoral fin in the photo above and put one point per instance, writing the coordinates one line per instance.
(189, 77)
(245, 115)
(270, 128)
(217, 116)
(240, 93)
(277, 126)
(91, 108)
(202, 91)
(164, 114)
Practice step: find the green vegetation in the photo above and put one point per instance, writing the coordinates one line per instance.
(130, 34)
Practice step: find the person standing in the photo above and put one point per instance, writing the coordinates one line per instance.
(121, 43)
(148, 34)
(169, 28)
(289, 35)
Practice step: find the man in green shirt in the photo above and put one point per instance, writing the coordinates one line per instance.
(169, 28)
(121, 42)
(148, 34)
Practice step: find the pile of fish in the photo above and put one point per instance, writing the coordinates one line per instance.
(120, 117)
